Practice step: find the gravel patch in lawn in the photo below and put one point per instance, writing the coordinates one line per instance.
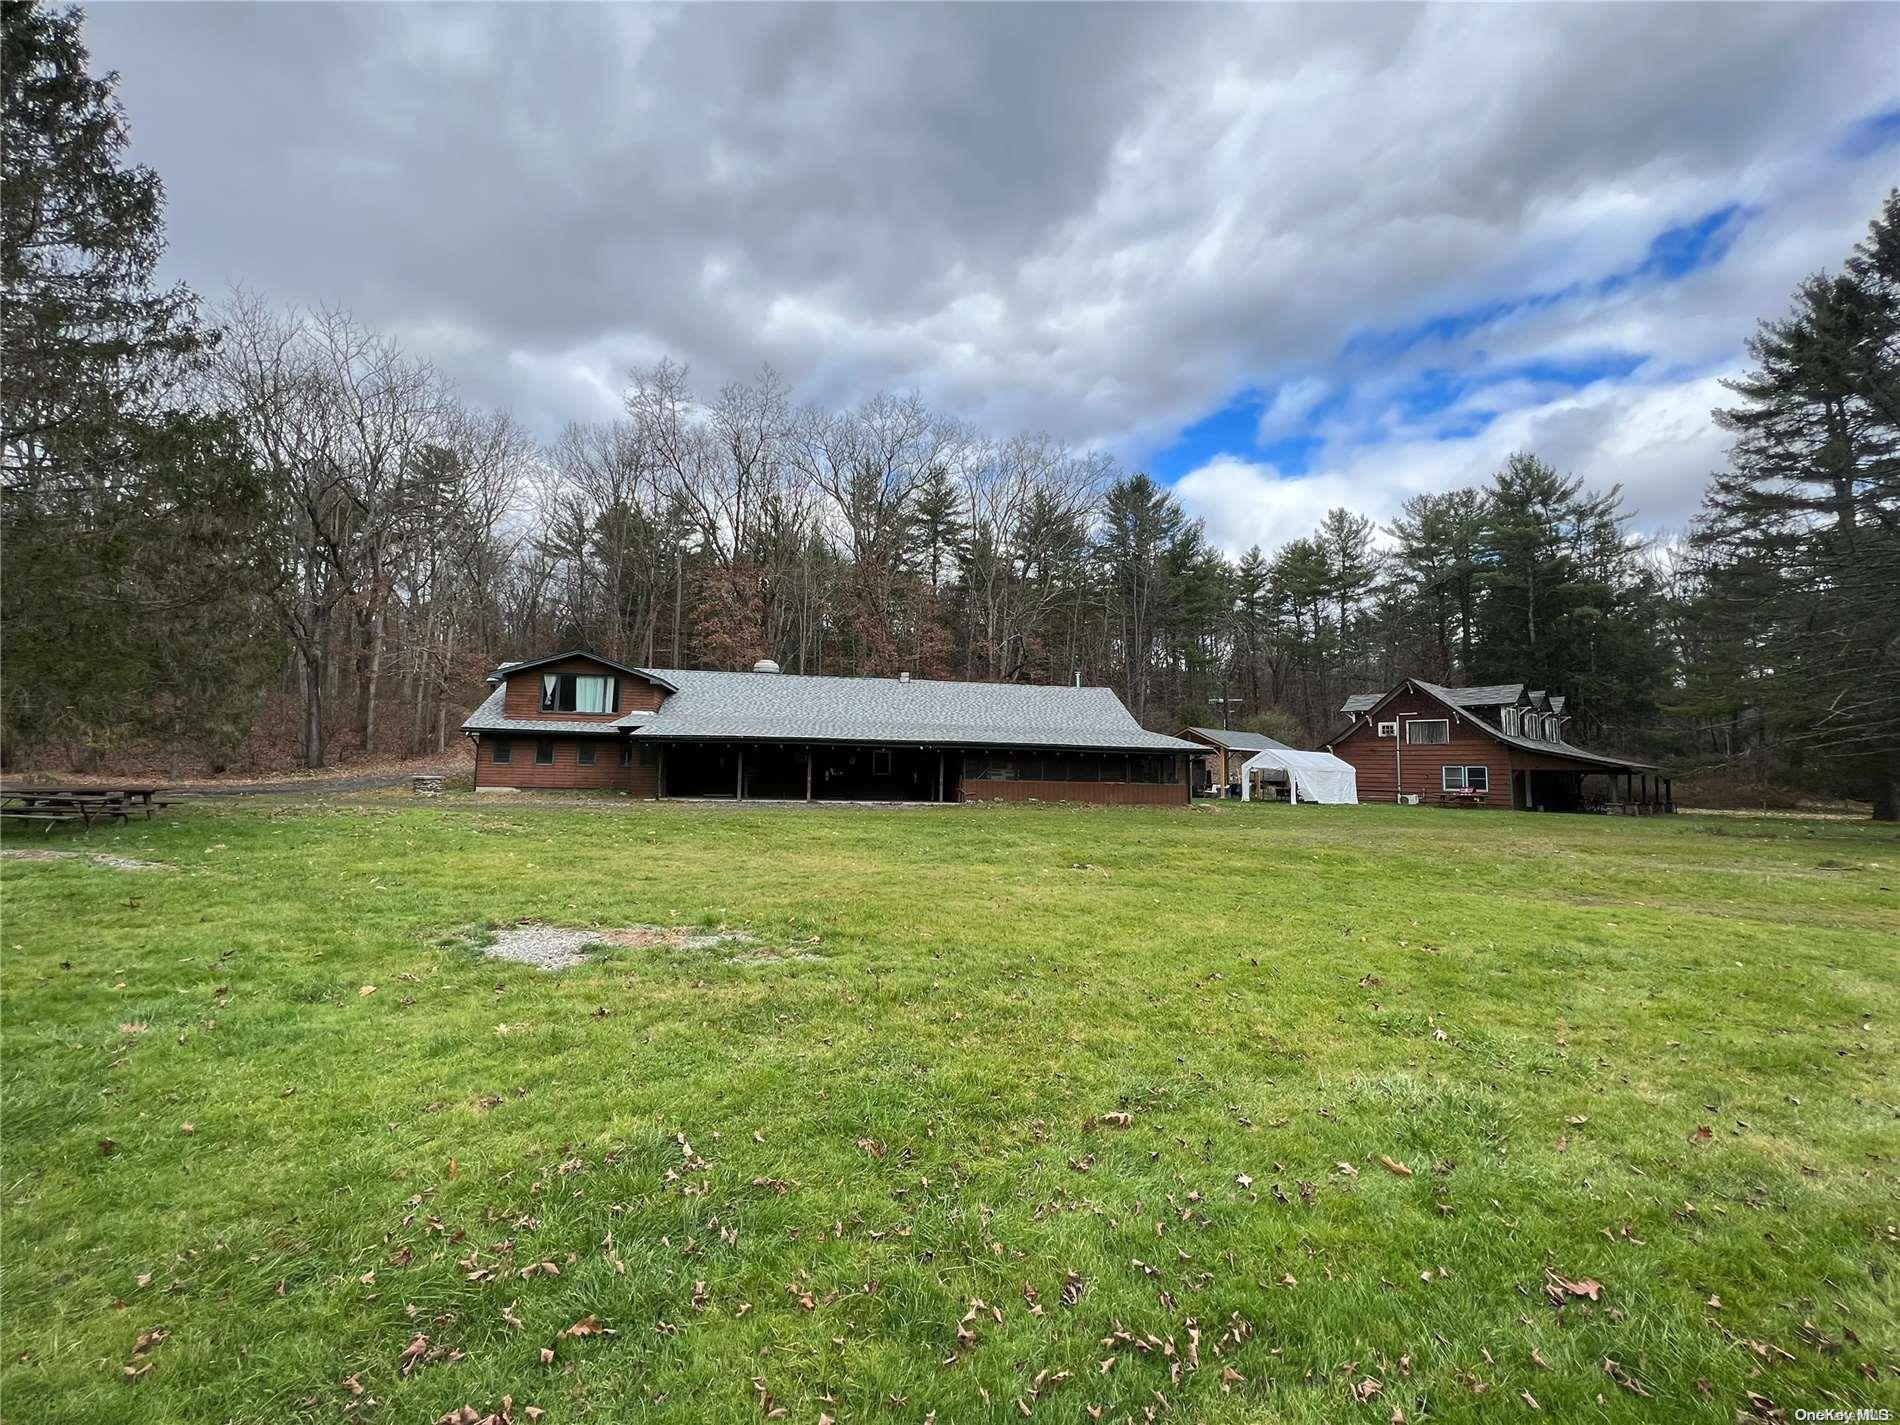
(559, 947)
(98, 858)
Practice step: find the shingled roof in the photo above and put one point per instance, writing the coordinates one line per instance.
(784, 707)
(490, 717)
(1240, 741)
(1487, 695)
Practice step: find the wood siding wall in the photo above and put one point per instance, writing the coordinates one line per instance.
(1372, 756)
(1127, 794)
(524, 693)
(566, 772)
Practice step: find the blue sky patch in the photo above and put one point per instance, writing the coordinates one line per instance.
(1680, 250)
(1445, 399)
(1871, 134)
(1234, 430)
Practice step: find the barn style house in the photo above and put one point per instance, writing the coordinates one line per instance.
(578, 720)
(1495, 746)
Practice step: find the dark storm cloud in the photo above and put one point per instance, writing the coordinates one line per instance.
(1101, 220)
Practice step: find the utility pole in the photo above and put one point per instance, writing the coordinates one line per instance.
(1224, 700)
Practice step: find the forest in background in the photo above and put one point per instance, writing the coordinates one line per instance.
(252, 536)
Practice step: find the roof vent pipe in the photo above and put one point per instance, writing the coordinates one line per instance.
(903, 677)
(765, 665)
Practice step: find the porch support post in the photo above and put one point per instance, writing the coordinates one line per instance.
(662, 776)
(738, 791)
(939, 774)
(811, 756)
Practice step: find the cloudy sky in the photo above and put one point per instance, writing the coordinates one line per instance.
(1283, 256)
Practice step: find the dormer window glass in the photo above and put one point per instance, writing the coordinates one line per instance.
(579, 693)
(1507, 719)
(1550, 727)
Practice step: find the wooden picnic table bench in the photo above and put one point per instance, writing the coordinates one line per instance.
(84, 804)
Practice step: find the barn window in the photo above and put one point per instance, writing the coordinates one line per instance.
(1507, 719)
(1550, 727)
(501, 750)
(1436, 729)
(544, 752)
(1478, 779)
(1388, 729)
(1452, 779)
(584, 754)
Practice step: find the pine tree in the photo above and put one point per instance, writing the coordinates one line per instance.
(132, 521)
(1436, 567)
(1802, 531)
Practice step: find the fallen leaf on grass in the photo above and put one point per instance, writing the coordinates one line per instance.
(1365, 1389)
(1703, 1134)
(411, 1354)
(1346, 1170)
(1560, 1289)
(588, 1325)
(1529, 1399)
(367, 990)
(1393, 1166)
(1623, 1377)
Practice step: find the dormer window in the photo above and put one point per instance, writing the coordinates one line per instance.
(1550, 727)
(1507, 719)
(579, 693)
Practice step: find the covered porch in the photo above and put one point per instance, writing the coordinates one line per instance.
(1613, 790)
(808, 772)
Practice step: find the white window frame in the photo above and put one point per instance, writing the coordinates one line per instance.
(1419, 722)
(1445, 783)
(1482, 771)
(1388, 729)
(1507, 719)
(1550, 727)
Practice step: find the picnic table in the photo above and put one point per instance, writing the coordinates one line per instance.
(1465, 797)
(83, 804)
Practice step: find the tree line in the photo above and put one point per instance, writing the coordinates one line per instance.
(258, 532)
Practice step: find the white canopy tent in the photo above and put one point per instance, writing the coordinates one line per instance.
(1311, 776)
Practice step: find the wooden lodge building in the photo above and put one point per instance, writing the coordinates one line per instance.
(577, 720)
(1495, 746)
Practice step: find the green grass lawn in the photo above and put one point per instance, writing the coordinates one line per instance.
(1021, 1111)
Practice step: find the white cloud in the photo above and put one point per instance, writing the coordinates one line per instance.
(1657, 441)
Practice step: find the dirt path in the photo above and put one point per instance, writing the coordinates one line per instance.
(371, 778)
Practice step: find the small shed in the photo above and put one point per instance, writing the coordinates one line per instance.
(1310, 776)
